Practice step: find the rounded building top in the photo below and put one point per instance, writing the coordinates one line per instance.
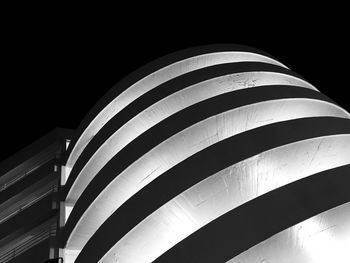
(153, 74)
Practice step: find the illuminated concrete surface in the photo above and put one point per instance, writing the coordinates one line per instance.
(168, 106)
(187, 143)
(149, 82)
(211, 154)
(122, 167)
(320, 239)
(226, 190)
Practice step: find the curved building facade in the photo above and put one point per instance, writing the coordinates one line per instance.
(212, 154)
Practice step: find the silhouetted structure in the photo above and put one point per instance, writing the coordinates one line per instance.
(29, 201)
(212, 154)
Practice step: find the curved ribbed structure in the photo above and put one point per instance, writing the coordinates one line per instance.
(212, 154)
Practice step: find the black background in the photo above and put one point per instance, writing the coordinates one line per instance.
(55, 69)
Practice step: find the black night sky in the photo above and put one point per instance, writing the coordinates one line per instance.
(54, 71)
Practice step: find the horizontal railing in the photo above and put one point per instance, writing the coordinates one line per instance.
(35, 197)
(45, 231)
(42, 159)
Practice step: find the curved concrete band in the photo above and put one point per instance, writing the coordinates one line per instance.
(198, 151)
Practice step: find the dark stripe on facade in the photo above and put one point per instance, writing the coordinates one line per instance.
(157, 94)
(200, 166)
(263, 217)
(174, 124)
(148, 69)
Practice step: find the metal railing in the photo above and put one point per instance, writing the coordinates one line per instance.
(42, 233)
(50, 155)
(27, 202)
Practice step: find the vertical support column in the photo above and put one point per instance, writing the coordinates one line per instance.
(56, 202)
(55, 206)
(62, 206)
